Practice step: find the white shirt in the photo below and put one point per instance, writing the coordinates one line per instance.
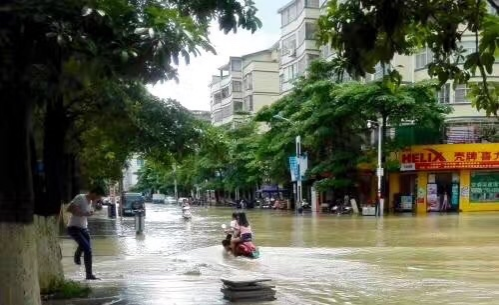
(84, 206)
(234, 226)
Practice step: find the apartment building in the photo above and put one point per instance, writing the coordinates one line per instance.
(298, 47)
(465, 124)
(244, 85)
(131, 172)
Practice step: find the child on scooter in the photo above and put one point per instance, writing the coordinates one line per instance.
(244, 233)
(233, 228)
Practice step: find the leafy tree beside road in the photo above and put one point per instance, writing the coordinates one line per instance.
(55, 52)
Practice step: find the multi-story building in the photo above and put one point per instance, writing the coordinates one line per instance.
(298, 46)
(244, 86)
(465, 124)
(131, 172)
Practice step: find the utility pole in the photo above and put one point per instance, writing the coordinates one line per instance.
(174, 167)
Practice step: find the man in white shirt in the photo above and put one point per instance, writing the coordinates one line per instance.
(80, 208)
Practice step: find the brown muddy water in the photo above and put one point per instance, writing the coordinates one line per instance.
(312, 259)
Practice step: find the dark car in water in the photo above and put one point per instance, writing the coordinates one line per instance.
(130, 203)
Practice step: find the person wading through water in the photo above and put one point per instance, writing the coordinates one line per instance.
(80, 209)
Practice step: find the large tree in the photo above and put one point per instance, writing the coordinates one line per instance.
(367, 32)
(67, 46)
(331, 118)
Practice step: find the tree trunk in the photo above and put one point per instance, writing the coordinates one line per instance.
(53, 158)
(48, 250)
(48, 210)
(18, 262)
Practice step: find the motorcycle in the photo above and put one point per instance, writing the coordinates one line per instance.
(246, 249)
(305, 207)
(186, 213)
(342, 208)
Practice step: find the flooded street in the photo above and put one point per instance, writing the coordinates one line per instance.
(320, 259)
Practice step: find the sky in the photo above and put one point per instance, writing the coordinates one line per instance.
(192, 91)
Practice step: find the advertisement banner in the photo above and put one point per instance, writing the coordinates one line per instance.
(450, 156)
(298, 165)
(293, 168)
(432, 197)
(455, 195)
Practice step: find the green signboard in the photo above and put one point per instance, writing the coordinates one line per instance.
(455, 195)
(484, 187)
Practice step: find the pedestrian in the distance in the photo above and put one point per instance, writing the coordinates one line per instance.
(81, 208)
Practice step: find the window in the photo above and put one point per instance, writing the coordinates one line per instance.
(248, 81)
(217, 116)
(484, 186)
(238, 106)
(312, 3)
(326, 51)
(140, 162)
(301, 34)
(236, 65)
(248, 103)
(312, 57)
(300, 5)
(289, 14)
(424, 58)
(217, 97)
(292, 12)
(301, 66)
(460, 94)
(290, 73)
(307, 32)
(346, 77)
(284, 17)
(462, 134)
(378, 74)
(380, 71)
(237, 86)
(288, 45)
(225, 93)
(227, 111)
(444, 94)
(468, 46)
(310, 30)
(281, 81)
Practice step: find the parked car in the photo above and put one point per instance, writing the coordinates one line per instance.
(158, 198)
(131, 202)
(170, 200)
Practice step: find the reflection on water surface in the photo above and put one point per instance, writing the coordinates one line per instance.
(322, 259)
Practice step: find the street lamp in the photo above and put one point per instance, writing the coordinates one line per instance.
(379, 171)
(298, 194)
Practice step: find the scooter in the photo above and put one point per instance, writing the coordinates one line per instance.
(186, 213)
(305, 207)
(246, 249)
(342, 210)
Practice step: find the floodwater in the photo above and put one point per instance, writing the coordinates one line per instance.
(312, 259)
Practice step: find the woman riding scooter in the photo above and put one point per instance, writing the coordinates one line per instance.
(244, 234)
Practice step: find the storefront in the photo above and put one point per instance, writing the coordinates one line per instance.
(446, 178)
